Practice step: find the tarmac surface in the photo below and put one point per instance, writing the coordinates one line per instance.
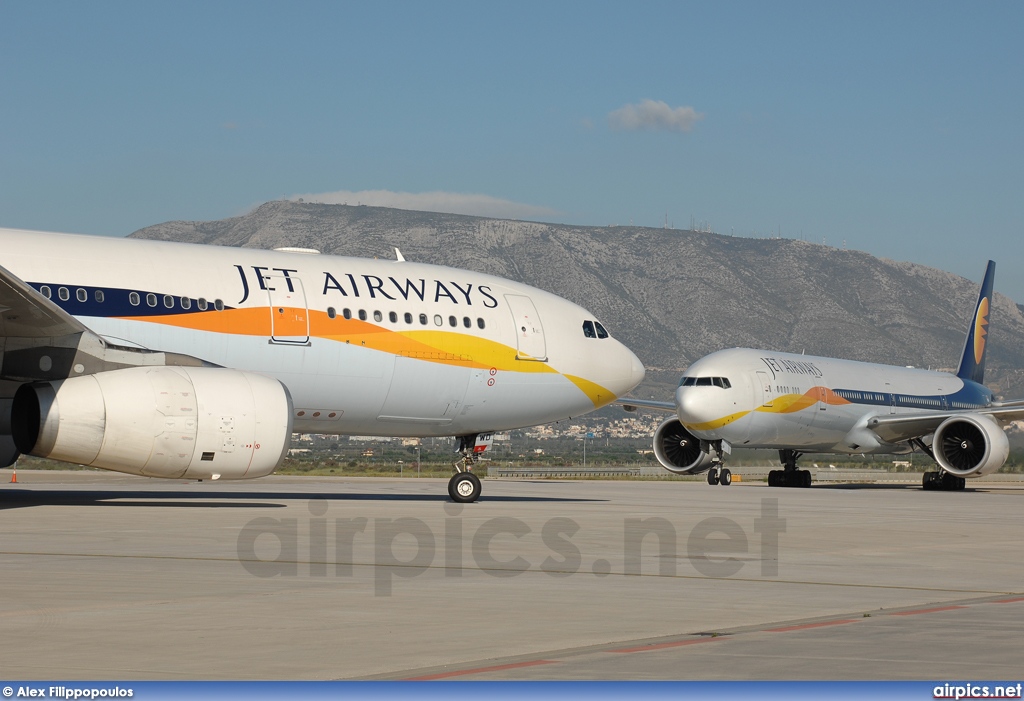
(112, 577)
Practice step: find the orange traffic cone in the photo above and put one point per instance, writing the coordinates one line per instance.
(14, 475)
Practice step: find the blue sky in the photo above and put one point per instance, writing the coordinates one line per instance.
(892, 127)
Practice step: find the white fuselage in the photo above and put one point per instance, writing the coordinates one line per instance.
(811, 404)
(363, 346)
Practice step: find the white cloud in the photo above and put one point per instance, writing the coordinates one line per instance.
(448, 202)
(653, 115)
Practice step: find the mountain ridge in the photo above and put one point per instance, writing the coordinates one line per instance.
(672, 295)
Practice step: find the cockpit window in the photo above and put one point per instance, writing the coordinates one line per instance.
(601, 333)
(722, 382)
(588, 329)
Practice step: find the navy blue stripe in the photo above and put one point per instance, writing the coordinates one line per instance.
(117, 302)
(970, 396)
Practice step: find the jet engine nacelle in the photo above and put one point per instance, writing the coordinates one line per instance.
(678, 451)
(970, 445)
(175, 422)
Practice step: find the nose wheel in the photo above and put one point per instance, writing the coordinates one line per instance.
(720, 476)
(464, 487)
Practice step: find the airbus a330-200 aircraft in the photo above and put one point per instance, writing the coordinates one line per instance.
(800, 404)
(188, 361)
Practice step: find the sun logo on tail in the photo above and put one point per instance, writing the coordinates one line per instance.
(980, 332)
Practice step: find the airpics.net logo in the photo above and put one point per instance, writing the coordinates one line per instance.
(504, 546)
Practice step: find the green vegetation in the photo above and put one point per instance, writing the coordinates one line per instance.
(342, 457)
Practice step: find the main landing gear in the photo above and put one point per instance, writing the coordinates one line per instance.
(464, 487)
(789, 476)
(936, 480)
(943, 481)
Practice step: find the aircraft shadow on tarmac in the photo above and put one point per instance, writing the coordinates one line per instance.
(23, 498)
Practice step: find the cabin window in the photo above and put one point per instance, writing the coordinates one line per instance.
(133, 298)
(218, 304)
(169, 301)
(362, 315)
(377, 316)
(601, 333)
(202, 304)
(99, 296)
(186, 303)
(393, 317)
(480, 322)
(438, 320)
(408, 318)
(63, 294)
(45, 291)
(588, 329)
(467, 322)
(453, 321)
(423, 319)
(81, 295)
(151, 299)
(332, 313)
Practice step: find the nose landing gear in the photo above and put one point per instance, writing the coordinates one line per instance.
(719, 473)
(721, 476)
(464, 487)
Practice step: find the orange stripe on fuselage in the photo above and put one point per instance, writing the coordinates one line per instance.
(791, 403)
(439, 345)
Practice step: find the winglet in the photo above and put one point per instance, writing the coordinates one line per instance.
(972, 362)
(398, 255)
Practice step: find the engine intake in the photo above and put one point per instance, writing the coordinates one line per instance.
(175, 422)
(678, 451)
(970, 445)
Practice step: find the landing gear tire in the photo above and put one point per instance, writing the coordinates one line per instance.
(790, 478)
(713, 475)
(464, 487)
(725, 477)
(943, 481)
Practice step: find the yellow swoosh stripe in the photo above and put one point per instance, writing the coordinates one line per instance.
(782, 404)
(445, 347)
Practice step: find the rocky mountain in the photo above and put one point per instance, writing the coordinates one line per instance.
(671, 295)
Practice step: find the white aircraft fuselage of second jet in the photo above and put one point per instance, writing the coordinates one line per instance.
(746, 398)
(194, 352)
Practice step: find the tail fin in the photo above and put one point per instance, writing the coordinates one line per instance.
(972, 363)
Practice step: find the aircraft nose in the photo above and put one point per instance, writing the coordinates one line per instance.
(691, 408)
(623, 371)
(637, 372)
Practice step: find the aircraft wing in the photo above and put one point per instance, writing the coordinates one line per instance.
(38, 339)
(41, 341)
(903, 427)
(632, 404)
(24, 313)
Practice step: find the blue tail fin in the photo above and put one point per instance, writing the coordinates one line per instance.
(972, 363)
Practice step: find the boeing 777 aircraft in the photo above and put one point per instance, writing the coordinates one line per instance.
(800, 404)
(188, 361)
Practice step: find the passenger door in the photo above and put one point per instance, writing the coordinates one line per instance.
(289, 317)
(530, 342)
